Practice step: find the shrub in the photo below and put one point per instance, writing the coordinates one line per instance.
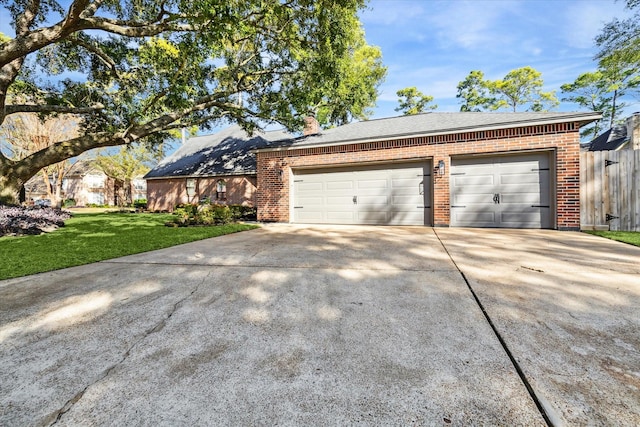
(188, 214)
(140, 204)
(221, 214)
(68, 203)
(16, 220)
(245, 213)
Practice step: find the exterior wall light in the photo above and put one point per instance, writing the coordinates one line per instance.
(440, 169)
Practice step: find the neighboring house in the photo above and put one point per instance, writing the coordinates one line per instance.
(620, 137)
(515, 170)
(219, 167)
(87, 185)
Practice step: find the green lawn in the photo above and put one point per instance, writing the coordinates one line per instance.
(631, 237)
(87, 238)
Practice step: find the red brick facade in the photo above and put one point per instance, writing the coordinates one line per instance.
(561, 140)
(164, 194)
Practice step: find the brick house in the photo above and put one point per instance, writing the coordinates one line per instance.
(219, 167)
(515, 170)
(86, 184)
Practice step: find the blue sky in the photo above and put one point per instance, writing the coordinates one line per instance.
(433, 45)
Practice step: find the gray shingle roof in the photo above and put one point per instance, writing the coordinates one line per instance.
(612, 139)
(227, 152)
(429, 124)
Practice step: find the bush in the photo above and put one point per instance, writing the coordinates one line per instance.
(220, 214)
(140, 204)
(68, 203)
(243, 213)
(16, 220)
(188, 214)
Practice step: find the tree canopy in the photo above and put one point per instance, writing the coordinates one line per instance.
(136, 70)
(520, 88)
(474, 92)
(412, 101)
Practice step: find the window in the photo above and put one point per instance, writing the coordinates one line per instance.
(221, 190)
(95, 198)
(94, 181)
(140, 184)
(191, 187)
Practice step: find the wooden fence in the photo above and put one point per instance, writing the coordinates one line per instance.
(610, 190)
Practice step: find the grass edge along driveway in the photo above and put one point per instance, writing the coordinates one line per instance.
(630, 237)
(88, 238)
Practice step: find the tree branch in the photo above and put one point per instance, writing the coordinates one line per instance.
(30, 108)
(106, 59)
(135, 29)
(32, 41)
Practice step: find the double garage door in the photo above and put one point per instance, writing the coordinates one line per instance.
(391, 194)
(511, 191)
(507, 191)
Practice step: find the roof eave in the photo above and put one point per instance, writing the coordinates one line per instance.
(209, 175)
(583, 118)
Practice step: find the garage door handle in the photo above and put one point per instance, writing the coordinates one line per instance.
(355, 200)
(496, 198)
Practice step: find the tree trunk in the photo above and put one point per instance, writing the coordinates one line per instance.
(127, 191)
(9, 189)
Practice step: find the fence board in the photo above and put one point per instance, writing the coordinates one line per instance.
(612, 190)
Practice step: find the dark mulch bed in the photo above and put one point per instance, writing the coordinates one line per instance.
(17, 220)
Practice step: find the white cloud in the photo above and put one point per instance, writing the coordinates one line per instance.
(585, 19)
(395, 12)
(471, 24)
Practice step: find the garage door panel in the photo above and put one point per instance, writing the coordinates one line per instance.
(312, 201)
(473, 198)
(402, 200)
(520, 198)
(310, 186)
(521, 184)
(483, 217)
(373, 201)
(338, 200)
(385, 194)
(473, 180)
(339, 185)
(377, 184)
(519, 178)
(310, 216)
(522, 219)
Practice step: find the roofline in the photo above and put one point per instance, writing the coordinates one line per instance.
(584, 118)
(200, 176)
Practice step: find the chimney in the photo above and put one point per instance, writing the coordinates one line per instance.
(633, 131)
(311, 126)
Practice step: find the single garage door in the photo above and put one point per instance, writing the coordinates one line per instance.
(507, 191)
(397, 194)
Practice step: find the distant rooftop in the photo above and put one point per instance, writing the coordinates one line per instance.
(227, 152)
(610, 140)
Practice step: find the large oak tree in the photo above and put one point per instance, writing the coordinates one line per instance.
(137, 70)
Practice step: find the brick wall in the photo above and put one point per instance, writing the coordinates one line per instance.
(165, 194)
(274, 167)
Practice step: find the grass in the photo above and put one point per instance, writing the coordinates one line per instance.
(630, 237)
(88, 238)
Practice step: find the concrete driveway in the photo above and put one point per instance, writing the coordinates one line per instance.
(293, 325)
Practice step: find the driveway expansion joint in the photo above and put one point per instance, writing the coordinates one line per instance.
(503, 343)
(57, 416)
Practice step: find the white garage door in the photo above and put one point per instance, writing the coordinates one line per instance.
(507, 191)
(397, 194)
